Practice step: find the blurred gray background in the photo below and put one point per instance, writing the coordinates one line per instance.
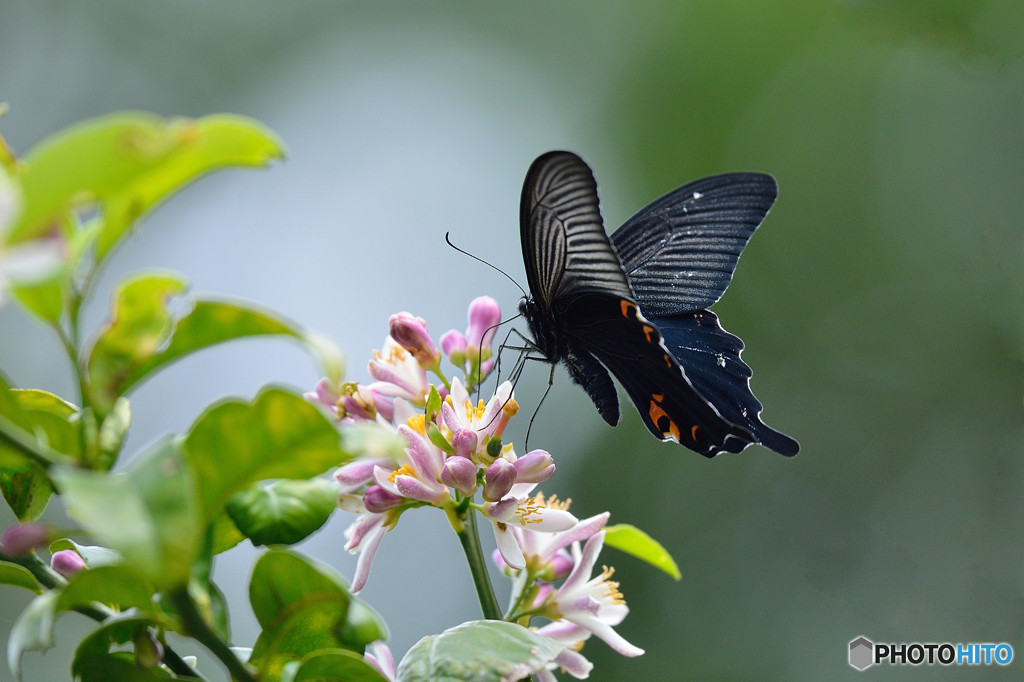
(881, 302)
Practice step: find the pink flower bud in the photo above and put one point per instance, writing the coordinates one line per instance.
(67, 562)
(377, 500)
(560, 565)
(484, 315)
(498, 480)
(464, 441)
(453, 345)
(459, 473)
(20, 539)
(411, 334)
(535, 466)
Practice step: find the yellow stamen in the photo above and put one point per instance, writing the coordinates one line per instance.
(553, 502)
(403, 470)
(417, 423)
(475, 413)
(612, 586)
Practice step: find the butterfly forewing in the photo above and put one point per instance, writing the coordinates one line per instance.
(680, 251)
(565, 247)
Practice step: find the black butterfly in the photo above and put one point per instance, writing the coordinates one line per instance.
(672, 260)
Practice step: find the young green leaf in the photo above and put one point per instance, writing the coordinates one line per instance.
(478, 650)
(279, 435)
(632, 540)
(116, 586)
(143, 335)
(336, 665)
(284, 512)
(19, 576)
(140, 324)
(301, 608)
(33, 631)
(129, 162)
(147, 514)
(94, 555)
(53, 424)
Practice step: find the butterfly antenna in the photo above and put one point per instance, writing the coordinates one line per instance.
(477, 258)
(529, 427)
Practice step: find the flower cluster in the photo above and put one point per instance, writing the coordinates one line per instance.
(453, 451)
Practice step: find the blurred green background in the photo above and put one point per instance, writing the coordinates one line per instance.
(881, 302)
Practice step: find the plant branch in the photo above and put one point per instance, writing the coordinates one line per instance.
(196, 627)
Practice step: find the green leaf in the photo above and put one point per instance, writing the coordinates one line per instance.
(116, 586)
(279, 435)
(120, 666)
(44, 299)
(130, 162)
(27, 490)
(363, 626)
(93, 661)
(52, 423)
(33, 631)
(478, 650)
(336, 665)
(224, 534)
(285, 512)
(114, 429)
(93, 555)
(140, 325)
(143, 334)
(632, 540)
(301, 607)
(147, 513)
(19, 576)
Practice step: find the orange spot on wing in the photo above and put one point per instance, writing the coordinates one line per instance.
(693, 432)
(628, 308)
(656, 412)
(649, 332)
(668, 360)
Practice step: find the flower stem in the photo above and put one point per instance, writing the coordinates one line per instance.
(470, 540)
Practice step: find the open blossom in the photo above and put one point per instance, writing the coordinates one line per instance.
(397, 373)
(546, 552)
(583, 605)
(533, 514)
(480, 422)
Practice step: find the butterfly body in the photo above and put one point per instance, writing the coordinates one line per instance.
(589, 296)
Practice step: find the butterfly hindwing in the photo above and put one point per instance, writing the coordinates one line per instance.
(711, 356)
(631, 347)
(680, 251)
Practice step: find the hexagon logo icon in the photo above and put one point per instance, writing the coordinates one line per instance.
(862, 652)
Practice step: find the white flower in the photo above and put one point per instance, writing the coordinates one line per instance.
(397, 373)
(532, 514)
(593, 605)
